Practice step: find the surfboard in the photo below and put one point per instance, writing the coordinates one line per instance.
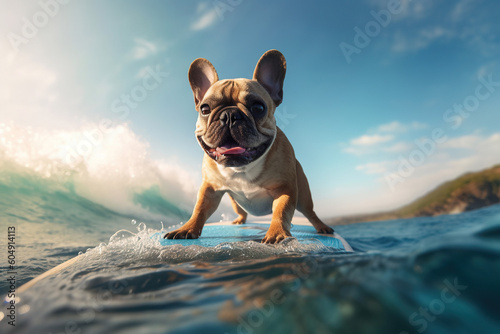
(216, 233)
(222, 232)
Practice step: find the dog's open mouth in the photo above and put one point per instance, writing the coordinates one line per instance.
(232, 154)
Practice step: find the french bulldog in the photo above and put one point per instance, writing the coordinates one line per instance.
(246, 154)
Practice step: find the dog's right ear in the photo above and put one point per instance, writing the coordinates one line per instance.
(201, 75)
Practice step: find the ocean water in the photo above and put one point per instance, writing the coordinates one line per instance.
(422, 275)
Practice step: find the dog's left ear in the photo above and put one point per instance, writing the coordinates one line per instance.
(270, 73)
(202, 75)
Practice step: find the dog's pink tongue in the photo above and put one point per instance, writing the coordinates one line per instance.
(232, 150)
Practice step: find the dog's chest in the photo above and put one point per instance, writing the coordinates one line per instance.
(253, 198)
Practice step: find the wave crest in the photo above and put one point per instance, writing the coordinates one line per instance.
(112, 168)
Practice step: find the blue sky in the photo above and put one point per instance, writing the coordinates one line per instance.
(373, 129)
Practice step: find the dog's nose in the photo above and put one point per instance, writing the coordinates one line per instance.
(230, 117)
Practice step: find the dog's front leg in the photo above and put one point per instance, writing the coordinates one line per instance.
(206, 204)
(283, 209)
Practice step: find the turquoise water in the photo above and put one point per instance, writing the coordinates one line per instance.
(423, 275)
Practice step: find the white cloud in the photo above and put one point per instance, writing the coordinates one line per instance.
(409, 9)
(459, 154)
(374, 167)
(399, 127)
(440, 167)
(479, 151)
(366, 144)
(464, 142)
(354, 150)
(418, 126)
(392, 127)
(459, 10)
(408, 41)
(414, 10)
(367, 140)
(399, 147)
(445, 164)
(143, 49)
(207, 19)
(424, 25)
(378, 140)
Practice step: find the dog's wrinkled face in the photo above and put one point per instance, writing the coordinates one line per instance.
(236, 123)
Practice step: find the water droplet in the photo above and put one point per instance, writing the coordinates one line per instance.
(141, 227)
(134, 222)
(122, 234)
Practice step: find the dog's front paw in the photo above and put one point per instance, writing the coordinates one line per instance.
(325, 230)
(275, 236)
(183, 233)
(240, 220)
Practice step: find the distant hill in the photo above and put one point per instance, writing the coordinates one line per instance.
(468, 192)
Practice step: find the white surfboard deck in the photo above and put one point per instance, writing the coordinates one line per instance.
(214, 234)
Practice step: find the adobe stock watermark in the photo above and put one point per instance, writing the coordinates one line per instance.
(363, 37)
(283, 117)
(31, 26)
(223, 6)
(427, 146)
(425, 315)
(121, 106)
(254, 319)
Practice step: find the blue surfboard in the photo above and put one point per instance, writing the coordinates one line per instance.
(216, 233)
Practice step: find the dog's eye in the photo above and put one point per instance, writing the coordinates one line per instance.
(205, 109)
(258, 109)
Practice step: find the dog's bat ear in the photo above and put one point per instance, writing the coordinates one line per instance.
(201, 75)
(270, 73)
